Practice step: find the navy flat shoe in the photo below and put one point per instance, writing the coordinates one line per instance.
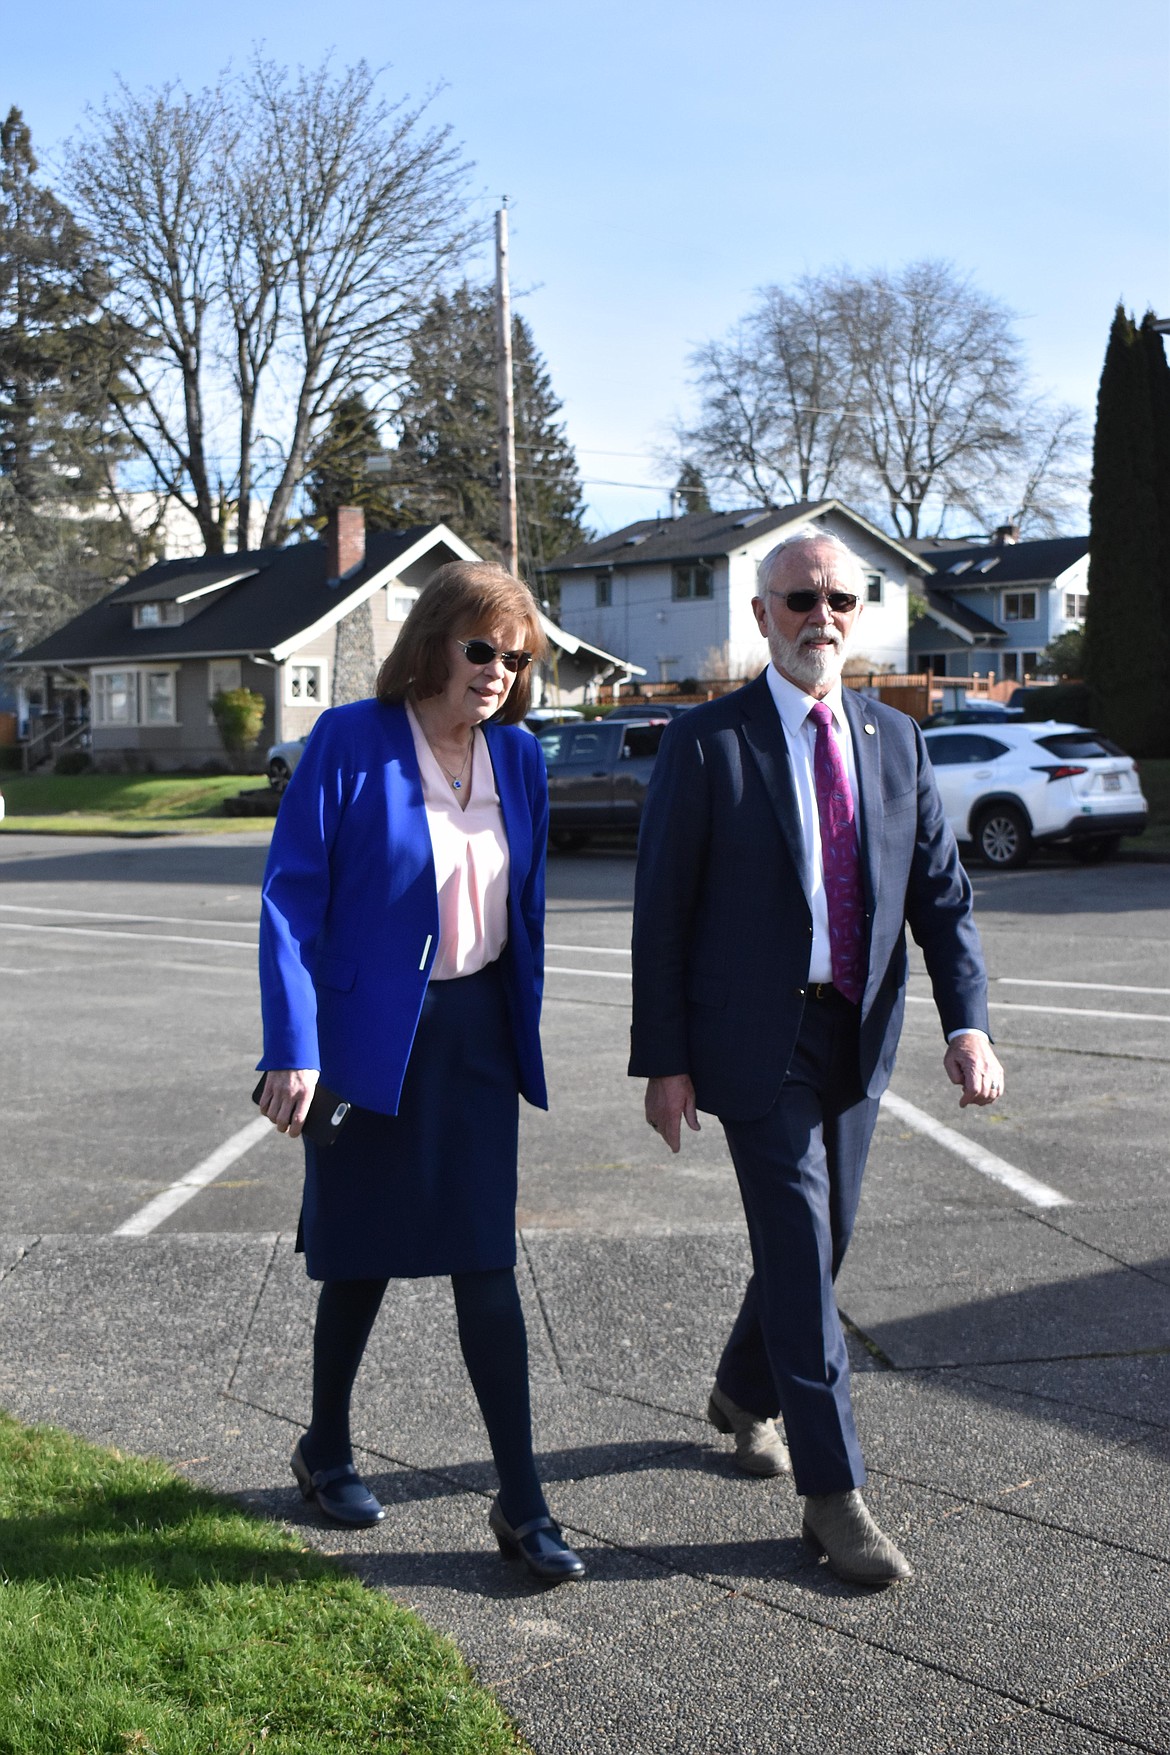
(539, 1544)
(340, 1493)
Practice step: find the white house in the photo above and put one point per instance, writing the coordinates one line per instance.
(674, 594)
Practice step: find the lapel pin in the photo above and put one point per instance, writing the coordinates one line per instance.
(869, 729)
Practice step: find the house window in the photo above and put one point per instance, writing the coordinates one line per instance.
(1011, 667)
(874, 583)
(134, 697)
(934, 662)
(1019, 606)
(1076, 606)
(158, 697)
(305, 685)
(115, 697)
(400, 600)
(603, 590)
(688, 582)
(158, 615)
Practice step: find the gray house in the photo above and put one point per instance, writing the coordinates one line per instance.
(306, 627)
(993, 607)
(675, 593)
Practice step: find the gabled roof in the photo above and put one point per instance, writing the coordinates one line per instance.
(957, 618)
(573, 644)
(702, 536)
(272, 600)
(1009, 563)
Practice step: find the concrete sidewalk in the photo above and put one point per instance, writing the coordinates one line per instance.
(1015, 1413)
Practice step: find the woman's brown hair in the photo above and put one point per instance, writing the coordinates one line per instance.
(463, 600)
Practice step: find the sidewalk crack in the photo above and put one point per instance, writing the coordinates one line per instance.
(543, 1308)
(252, 1314)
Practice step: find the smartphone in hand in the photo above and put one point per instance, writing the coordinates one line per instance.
(326, 1117)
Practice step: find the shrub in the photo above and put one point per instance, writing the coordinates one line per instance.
(73, 762)
(239, 717)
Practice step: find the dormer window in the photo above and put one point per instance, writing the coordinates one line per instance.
(158, 615)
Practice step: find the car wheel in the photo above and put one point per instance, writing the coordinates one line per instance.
(278, 773)
(1095, 849)
(1003, 837)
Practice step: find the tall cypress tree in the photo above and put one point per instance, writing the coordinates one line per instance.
(1127, 660)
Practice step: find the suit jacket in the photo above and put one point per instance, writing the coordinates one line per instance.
(349, 925)
(722, 924)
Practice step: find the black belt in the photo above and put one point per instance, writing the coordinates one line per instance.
(824, 990)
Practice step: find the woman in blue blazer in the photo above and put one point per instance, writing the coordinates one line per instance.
(402, 963)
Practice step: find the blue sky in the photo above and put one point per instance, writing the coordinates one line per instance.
(662, 162)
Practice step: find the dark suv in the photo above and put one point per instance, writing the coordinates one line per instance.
(597, 776)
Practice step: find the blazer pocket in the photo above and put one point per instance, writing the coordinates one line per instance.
(901, 800)
(336, 972)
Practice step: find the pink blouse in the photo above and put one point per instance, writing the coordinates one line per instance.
(470, 852)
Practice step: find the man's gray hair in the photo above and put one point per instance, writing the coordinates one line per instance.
(810, 535)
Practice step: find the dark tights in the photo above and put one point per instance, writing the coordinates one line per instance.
(495, 1351)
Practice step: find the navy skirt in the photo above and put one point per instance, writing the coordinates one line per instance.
(431, 1190)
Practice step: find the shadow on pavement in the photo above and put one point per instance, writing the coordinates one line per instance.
(224, 863)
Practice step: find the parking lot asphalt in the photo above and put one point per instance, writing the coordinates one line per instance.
(1012, 1348)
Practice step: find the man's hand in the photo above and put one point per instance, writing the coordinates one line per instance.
(286, 1097)
(971, 1061)
(667, 1101)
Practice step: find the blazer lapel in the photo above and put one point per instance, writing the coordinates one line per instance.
(514, 808)
(764, 735)
(867, 758)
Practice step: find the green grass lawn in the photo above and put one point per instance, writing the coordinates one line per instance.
(123, 803)
(140, 1614)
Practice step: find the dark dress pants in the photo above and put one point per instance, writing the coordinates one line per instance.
(799, 1170)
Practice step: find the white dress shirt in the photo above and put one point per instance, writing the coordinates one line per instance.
(800, 734)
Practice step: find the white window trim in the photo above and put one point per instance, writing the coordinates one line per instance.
(161, 604)
(871, 574)
(136, 673)
(395, 589)
(296, 663)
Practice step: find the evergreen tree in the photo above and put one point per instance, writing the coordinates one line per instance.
(691, 489)
(1128, 675)
(339, 473)
(59, 366)
(446, 464)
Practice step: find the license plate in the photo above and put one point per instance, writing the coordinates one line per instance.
(1111, 782)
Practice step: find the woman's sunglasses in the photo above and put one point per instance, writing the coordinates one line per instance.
(480, 652)
(800, 602)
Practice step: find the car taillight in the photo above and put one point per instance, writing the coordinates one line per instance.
(1063, 771)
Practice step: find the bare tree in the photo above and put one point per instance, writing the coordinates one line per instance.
(275, 236)
(905, 392)
(938, 385)
(776, 400)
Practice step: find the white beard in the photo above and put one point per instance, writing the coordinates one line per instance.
(811, 666)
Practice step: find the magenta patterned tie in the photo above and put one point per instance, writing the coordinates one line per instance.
(839, 857)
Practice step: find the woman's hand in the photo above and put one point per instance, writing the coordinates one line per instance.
(286, 1097)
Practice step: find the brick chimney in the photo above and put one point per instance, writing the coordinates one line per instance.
(1004, 534)
(345, 542)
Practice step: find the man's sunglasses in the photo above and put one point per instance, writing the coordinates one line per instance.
(800, 602)
(480, 652)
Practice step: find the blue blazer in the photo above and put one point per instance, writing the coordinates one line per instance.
(349, 923)
(722, 924)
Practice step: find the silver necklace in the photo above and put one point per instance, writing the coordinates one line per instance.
(457, 778)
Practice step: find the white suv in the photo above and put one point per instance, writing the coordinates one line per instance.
(1011, 786)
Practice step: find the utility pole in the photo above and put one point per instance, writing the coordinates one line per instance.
(507, 407)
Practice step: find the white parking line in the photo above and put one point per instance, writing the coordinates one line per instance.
(156, 938)
(1057, 1011)
(185, 1189)
(597, 974)
(1087, 986)
(590, 950)
(105, 914)
(985, 1162)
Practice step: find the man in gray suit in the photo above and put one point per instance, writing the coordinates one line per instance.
(792, 831)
